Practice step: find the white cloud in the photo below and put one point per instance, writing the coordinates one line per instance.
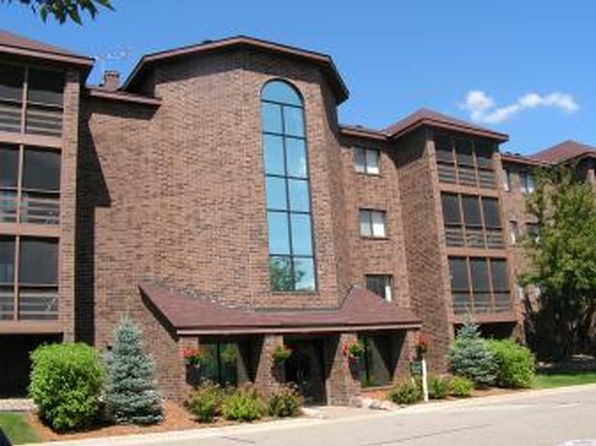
(483, 108)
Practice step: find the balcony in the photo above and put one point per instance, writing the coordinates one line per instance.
(41, 208)
(33, 304)
(464, 237)
(482, 303)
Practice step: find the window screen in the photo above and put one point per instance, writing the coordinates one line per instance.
(7, 260)
(451, 212)
(490, 207)
(41, 170)
(9, 167)
(45, 87)
(38, 262)
(471, 211)
(479, 273)
(459, 273)
(499, 275)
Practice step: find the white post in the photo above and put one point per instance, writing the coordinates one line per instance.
(424, 380)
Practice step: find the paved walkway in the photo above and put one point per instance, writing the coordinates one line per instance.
(543, 418)
(16, 405)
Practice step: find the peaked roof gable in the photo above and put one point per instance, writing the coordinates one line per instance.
(564, 151)
(209, 46)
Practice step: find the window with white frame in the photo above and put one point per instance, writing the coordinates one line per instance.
(527, 182)
(367, 161)
(513, 232)
(380, 284)
(506, 180)
(372, 223)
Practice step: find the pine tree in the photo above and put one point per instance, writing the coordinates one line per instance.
(131, 397)
(471, 356)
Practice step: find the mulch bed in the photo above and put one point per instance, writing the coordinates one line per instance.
(176, 419)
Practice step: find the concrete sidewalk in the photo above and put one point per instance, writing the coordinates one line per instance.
(330, 416)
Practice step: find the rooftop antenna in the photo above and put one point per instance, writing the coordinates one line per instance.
(121, 54)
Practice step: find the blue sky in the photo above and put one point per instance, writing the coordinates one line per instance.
(530, 64)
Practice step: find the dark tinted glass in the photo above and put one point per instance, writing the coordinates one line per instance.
(11, 82)
(479, 273)
(9, 166)
(490, 206)
(451, 212)
(471, 211)
(498, 269)
(459, 273)
(484, 152)
(219, 363)
(464, 150)
(41, 170)
(45, 87)
(279, 236)
(443, 148)
(38, 262)
(6, 260)
(378, 284)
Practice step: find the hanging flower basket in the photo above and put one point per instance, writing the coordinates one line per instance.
(192, 356)
(422, 344)
(354, 351)
(281, 354)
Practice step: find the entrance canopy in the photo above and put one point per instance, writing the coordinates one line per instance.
(190, 315)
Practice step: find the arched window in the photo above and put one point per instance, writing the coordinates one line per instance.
(291, 253)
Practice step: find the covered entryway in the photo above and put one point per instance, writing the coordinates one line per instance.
(306, 368)
(16, 364)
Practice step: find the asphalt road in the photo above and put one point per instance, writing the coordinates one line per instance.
(548, 418)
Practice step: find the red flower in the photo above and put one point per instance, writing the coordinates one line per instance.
(422, 344)
(192, 355)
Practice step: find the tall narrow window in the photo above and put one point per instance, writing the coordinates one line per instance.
(291, 253)
(527, 182)
(506, 180)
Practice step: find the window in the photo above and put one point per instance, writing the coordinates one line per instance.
(367, 160)
(521, 293)
(372, 223)
(36, 94)
(513, 232)
(380, 284)
(481, 225)
(464, 161)
(527, 182)
(35, 280)
(379, 360)
(506, 180)
(39, 189)
(479, 284)
(532, 230)
(289, 220)
(219, 363)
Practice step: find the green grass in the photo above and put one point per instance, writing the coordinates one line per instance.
(546, 381)
(16, 427)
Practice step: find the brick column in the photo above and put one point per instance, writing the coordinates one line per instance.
(268, 376)
(342, 386)
(184, 386)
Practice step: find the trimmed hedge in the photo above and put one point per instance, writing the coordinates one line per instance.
(515, 364)
(66, 382)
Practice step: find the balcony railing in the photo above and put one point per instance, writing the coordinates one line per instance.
(10, 116)
(467, 176)
(486, 178)
(33, 304)
(481, 303)
(44, 120)
(42, 208)
(464, 237)
(446, 173)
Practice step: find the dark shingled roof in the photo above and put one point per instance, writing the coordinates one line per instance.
(191, 315)
(15, 44)
(425, 116)
(564, 151)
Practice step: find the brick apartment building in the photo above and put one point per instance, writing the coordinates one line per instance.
(215, 199)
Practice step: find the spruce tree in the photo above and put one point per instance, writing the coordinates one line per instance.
(471, 357)
(131, 397)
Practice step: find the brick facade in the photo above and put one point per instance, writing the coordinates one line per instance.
(163, 180)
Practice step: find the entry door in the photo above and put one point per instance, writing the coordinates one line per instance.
(305, 369)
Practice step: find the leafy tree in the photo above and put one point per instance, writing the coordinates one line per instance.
(471, 356)
(63, 10)
(130, 395)
(562, 252)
